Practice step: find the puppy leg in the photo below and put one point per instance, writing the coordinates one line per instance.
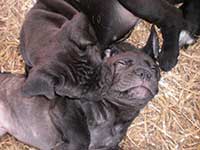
(166, 16)
(191, 12)
(2, 132)
(185, 39)
(39, 82)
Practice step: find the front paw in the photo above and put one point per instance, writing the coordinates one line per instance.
(167, 60)
(185, 39)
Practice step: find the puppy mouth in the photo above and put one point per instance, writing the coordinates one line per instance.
(139, 92)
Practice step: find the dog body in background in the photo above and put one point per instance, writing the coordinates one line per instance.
(178, 26)
(170, 19)
(125, 81)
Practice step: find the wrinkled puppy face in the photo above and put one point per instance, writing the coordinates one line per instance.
(135, 78)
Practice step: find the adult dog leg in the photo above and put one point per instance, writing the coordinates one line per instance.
(168, 18)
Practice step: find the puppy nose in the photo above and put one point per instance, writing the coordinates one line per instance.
(143, 74)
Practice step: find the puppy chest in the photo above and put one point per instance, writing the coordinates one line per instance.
(106, 136)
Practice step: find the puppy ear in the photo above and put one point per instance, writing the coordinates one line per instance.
(39, 83)
(152, 47)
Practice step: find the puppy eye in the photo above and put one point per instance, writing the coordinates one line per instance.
(122, 62)
(125, 63)
(120, 65)
(155, 68)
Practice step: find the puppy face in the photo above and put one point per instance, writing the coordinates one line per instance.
(134, 79)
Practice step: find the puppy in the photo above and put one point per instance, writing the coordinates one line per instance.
(59, 48)
(124, 82)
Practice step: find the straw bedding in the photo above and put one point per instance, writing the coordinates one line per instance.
(170, 121)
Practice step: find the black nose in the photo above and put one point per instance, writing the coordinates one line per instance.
(143, 74)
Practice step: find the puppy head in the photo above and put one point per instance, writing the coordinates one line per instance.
(132, 75)
(134, 78)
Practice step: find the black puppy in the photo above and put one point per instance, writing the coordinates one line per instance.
(59, 48)
(124, 83)
(112, 19)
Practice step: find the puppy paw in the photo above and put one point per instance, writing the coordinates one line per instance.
(185, 38)
(167, 60)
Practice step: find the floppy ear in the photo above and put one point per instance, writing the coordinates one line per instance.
(39, 83)
(152, 47)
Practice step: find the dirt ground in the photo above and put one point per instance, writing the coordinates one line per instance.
(171, 121)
